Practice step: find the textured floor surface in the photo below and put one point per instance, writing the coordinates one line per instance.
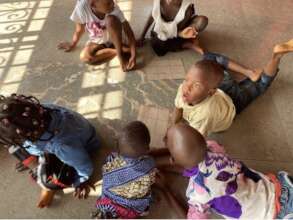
(245, 30)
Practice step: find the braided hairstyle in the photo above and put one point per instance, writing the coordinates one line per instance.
(21, 118)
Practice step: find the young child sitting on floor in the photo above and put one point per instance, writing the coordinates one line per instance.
(176, 26)
(62, 139)
(208, 99)
(105, 23)
(128, 176)
(224, 186)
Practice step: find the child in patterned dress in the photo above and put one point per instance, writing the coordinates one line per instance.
(128, 175)
(225, 186)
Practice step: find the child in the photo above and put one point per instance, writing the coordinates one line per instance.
(128, 176)
(219, 184)
(105, 23)
(62, 139)
(176, 26)
(209, 103)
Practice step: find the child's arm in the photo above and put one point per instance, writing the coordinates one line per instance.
(232, 65)
(236, 67)
(185, 31)
(131, 40)
(68, 46)
(177, 115)
(145, 30)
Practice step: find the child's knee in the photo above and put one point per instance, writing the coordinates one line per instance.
(202, 22)
(84, 57)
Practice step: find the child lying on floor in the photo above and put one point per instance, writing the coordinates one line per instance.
(224, 186)
(176, 26)
(62, 139)
(105, 23)
(128, 176)
(208, 99)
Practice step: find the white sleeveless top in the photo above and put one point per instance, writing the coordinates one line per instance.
(167, 30)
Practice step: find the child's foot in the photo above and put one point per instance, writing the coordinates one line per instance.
(255, 74)
(194, 45)
(284, 47)
(46, 198)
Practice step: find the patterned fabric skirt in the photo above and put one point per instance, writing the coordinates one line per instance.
(106, 208)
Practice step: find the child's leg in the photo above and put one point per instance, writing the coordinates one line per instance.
(114, 27)
(46, 198)
(96, 54)
(200, 23)
(246, 91)
(232, 65)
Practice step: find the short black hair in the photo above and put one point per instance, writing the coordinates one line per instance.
(213, 71)
(136, 134)
(134, 139)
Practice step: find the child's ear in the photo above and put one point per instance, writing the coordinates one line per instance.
(212, 91)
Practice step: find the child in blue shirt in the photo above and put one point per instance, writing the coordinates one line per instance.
(52, 133)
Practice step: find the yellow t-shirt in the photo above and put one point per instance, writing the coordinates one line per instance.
(213, 114)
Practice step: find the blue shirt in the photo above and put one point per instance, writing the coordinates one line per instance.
(72, 144)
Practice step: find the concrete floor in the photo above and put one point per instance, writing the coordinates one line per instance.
(245, 30)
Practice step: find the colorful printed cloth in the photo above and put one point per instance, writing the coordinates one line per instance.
(109, 209)
(127, 183)
(228, 188)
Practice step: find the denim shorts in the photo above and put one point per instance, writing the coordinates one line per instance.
(286, 199)
(244, 92)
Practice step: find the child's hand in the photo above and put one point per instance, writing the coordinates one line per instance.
(83, 190)
(66, 46)
(131, 63)
(189, 32)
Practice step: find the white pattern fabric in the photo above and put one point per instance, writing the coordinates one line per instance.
(230, 189)
(168, 30)
(95, 26)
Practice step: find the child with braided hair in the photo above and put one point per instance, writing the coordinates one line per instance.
(61, 139)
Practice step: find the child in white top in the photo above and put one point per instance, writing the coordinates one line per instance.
(176, 26)
(104, 22)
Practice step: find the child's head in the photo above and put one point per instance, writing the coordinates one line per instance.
(201, 81)
(21, 118)
(134, 139)
(102, 6)
(186, 145)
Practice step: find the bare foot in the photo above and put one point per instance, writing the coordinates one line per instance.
(255, 74)
(46, 198)
(194, 45)
(284, 47)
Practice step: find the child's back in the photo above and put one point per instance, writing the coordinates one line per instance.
(223, 185)
(128, 176)
(230, 189)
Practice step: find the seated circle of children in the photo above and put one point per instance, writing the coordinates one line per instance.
(224, 186)
(61, 139)
(176, 26)
(106, 25)
(128, 176)
(209, 97)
